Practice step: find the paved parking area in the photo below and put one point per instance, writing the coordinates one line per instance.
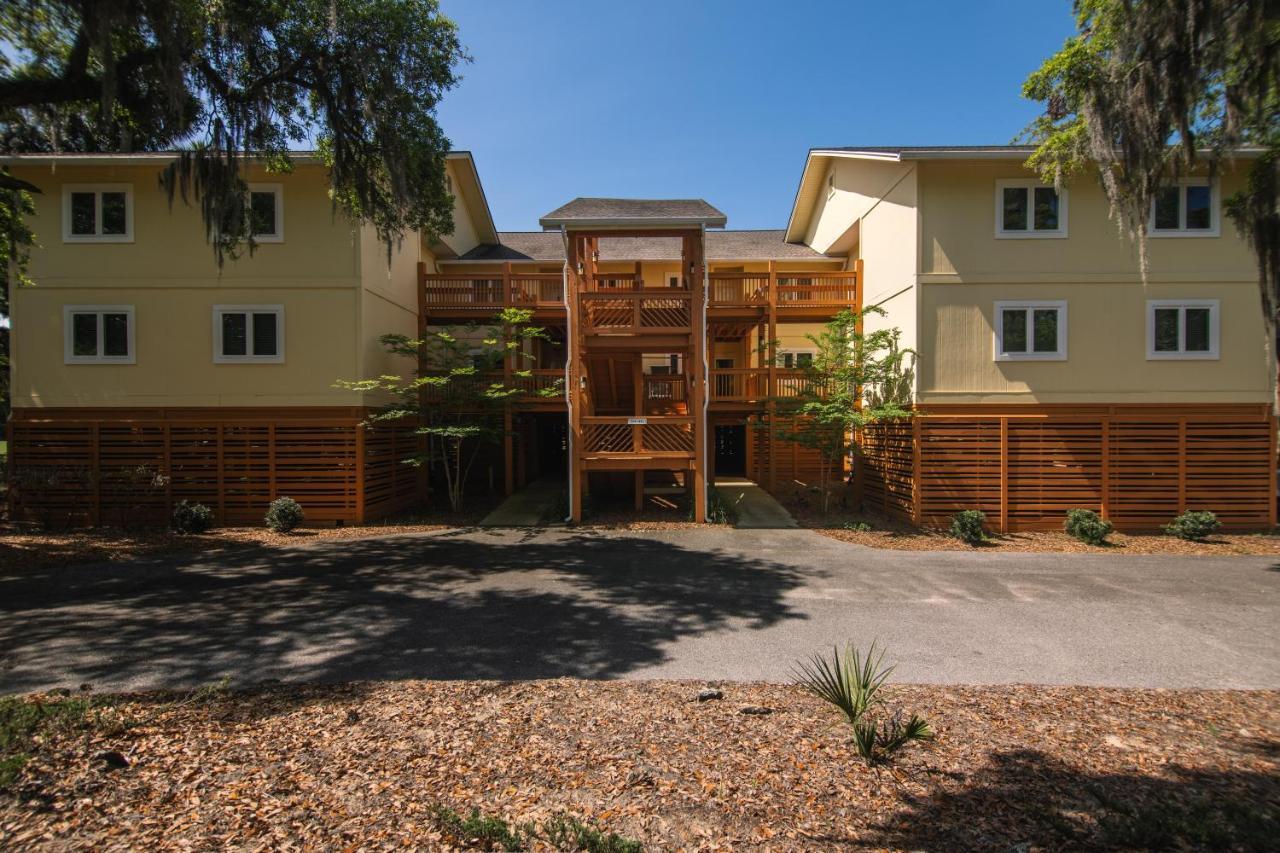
(713, 604)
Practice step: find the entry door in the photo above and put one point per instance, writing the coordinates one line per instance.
(731, 450)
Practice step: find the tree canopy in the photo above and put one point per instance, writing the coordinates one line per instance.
(219, 83)
(1151, 89)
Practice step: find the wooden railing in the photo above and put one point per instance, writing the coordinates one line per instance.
(663, 389)
(492, 291)
(532, 387)
(655, 435)
(751, 384)
(613, 281)
(651, 312)
(792, 289)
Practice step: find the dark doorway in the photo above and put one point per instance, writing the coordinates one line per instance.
(551, 446)
(731, 450)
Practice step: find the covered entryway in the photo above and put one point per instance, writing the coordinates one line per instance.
(731, 450)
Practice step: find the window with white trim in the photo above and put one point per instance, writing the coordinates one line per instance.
(1031, 331)
(266, 212)
(97, 213)
(1182, 329)
(796, 359)
(1188, 208)
(248, 333)
(1028, 208)
(98, 334)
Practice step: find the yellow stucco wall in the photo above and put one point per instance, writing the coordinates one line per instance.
(965, 269)
(168, 274)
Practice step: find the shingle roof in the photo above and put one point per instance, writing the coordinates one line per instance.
(721, 246)
(639, 211)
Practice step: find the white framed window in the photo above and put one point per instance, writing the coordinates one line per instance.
(1188, 208)
(248, 333)
(98, 334)
(97, 213)
(796, 359)
(1182, 329)
(266, 212)
(1028, 208)
(1034, 330)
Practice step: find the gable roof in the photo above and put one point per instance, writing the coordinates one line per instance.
(766, 245)
(634, 213)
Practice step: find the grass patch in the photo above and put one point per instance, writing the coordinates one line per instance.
(563, 833)
(24, 723)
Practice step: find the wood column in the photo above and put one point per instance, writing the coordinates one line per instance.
(1004, 475)
(692, 268)
(573, 334)
(771, 319)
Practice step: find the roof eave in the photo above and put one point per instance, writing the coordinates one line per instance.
(643, 224)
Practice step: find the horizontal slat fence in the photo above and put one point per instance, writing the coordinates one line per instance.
(1139, 466)
(83, 471)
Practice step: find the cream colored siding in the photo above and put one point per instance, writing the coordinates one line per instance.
(169, 275)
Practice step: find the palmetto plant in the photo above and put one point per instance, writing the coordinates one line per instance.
(852, 682)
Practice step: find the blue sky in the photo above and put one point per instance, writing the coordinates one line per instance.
(721, 100)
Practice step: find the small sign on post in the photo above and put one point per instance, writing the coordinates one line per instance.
(637, 421)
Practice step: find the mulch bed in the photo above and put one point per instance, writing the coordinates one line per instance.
(895, 535)
(361, 766)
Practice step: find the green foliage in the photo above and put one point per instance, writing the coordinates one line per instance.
(458, 392)
(1087, 526)
(859, 526)
(191, 517)
(719, 510)
(561, 832)
(1193, 525)
(852, 682)
(1147, 89)
(968, 526)
(224, 82)
(284, 514)
(855, 379)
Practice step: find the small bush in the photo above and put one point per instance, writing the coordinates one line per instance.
(284, 515)
(1193, 525)
(859, 526)
(719, 510)
(967, 526)
(1087, 526)
(191, 517)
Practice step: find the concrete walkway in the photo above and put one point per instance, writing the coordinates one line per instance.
(756, 508)
(702, 604)
(528, 507)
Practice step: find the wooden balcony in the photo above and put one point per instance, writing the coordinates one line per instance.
(637, 312)
(491, 293)
(750, 385)
(622, 443)
(789, 293)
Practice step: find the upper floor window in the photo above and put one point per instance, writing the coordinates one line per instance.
(98, 334)
(1031, 331)
(1188, 208)
(248, 333)
(1028, 208)
(1182, 328)
(796, 359)
(97, 213)
(266, 212)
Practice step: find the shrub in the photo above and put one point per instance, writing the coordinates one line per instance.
(284, 515)
(859, 526)
(719, 510)
(852, 683)
(966, 526)
(1087, 526)
(1193, 525)
(191, 517)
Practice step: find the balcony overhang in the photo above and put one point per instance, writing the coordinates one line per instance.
(633, 215)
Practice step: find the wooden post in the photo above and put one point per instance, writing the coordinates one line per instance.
(916, 491)
(506, 284)
(574, 334)
(1106, 467)
(360, 466)
(95, 515)
(639, 486)
(1004, 475)
(1182, 465)
(771, 318)
(691, 267)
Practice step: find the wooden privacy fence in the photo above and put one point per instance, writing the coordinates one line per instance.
(1139, 466)
(77, 471)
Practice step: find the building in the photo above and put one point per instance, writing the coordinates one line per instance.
(1050, 374)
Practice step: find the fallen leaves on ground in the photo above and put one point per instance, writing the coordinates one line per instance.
(359, 766)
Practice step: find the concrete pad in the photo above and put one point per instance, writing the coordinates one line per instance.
(528, 507)
(756, 508)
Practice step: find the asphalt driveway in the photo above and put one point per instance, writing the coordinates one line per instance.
(708, 604)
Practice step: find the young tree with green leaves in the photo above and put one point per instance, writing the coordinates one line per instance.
(855, 379)
(458, 391)
(1151, 89)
